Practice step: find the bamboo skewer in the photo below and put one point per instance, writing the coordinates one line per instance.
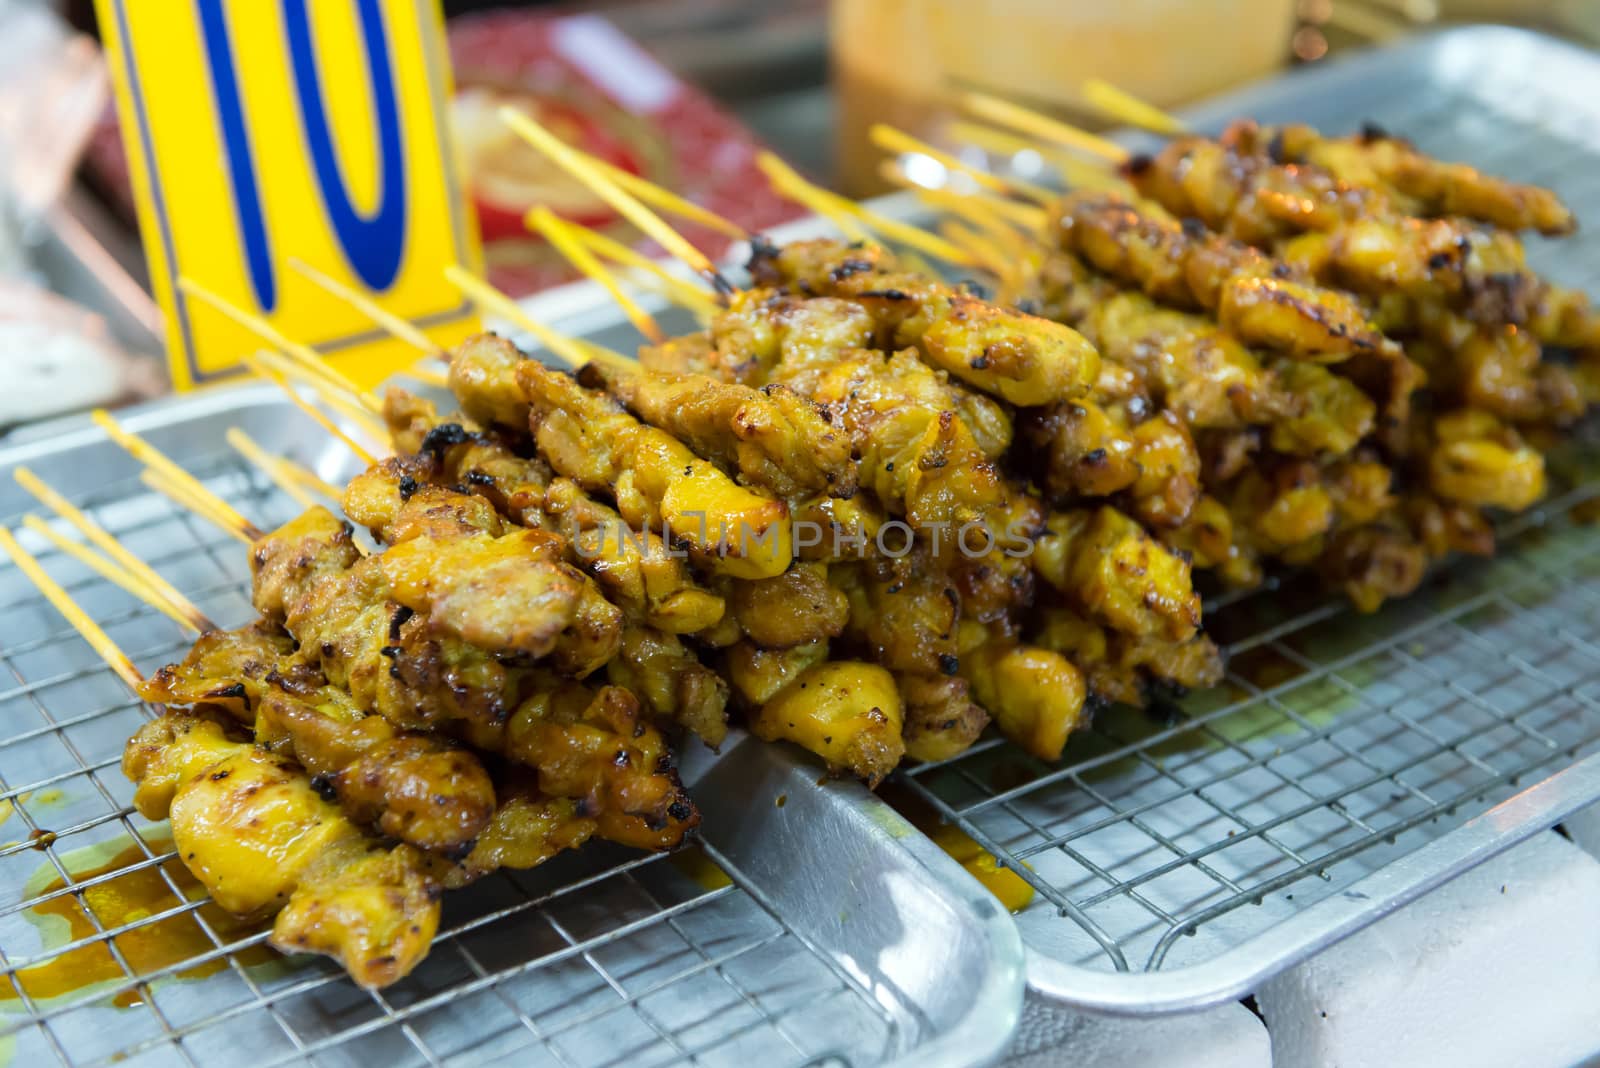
(787, 182)
(665, 200)
(893, 140)
(1365, 22)
(276, 468)
(100, 538)
(171, 474)
(271, 374)
(1127, 108)
(1026, 216)
(578, 254)
(983, 250)
(201, 504)
(87, 628)
(180, 611)
(308, 479)
(1075, 171)
(305, 355)
(396, 325)
(587, 172)
(326, 392)
(1419, 11)
(1028, 121)
(835, 207)
(568, 349)
(980, 212)
(428, 376)
(670, 285)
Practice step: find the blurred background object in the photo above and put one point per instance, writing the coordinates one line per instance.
(71, 317)
(596, 88)
(899, 61)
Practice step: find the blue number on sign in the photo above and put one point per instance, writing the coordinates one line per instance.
(374, 243)
(236, 139)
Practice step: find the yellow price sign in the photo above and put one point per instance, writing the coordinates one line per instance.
(260, 134)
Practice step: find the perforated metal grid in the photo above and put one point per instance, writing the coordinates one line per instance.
(1338, 744)
(600, 957)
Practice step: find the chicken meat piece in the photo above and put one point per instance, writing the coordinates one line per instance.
(1125, 668)
(393, 662)
(1208, 538)
(941, 718)
(916, 454)
(254, 830)
(903, 612)
(527, 829)
(846, 712)
(1019, 358)
(483, 379)
(671, 683)
(1374, 563)
(1261, 302)
(757, 674)
(1349, 226)
(771, 437)
(1194, 368)
(636, 569)
(511, 594)
(409, 785)
(795, 608)
(1477, 460)
(1034, 695)
(1330, 414)
(1420, 184)
(658, 483)
(1113, 571)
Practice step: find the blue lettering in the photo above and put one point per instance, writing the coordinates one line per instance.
(236, 141)
(373, 244)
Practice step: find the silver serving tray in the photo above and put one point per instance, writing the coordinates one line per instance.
(1179, 864)
(1349, 764)
(845, 938)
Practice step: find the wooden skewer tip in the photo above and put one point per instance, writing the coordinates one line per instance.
(87, 628)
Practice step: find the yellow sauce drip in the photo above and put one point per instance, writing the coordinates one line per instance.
(121, 900)
(1011, 889)
(694, 863)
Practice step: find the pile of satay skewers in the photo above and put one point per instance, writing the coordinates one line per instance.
(863, 510)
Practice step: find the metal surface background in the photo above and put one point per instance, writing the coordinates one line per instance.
(1348, 763)
(844, 939)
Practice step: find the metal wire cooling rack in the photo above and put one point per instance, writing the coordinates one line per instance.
(1205, 845)
(599, 957)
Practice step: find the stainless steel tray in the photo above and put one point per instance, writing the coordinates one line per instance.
(1348, 764)
(844, 938)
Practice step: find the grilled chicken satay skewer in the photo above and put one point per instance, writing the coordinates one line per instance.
(938, 718)
(410, 786)
(771, 439)
(933, 743)
(310, 577)
(259, 836)
(1355, 200)
(847, 744)
(418, 788)
(636, 570)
